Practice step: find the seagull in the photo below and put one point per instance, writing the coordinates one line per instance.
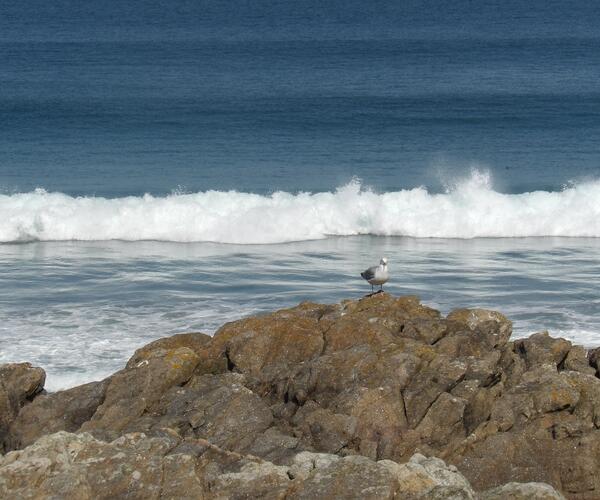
(377, 275)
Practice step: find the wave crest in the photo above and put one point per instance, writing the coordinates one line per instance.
(469, 209)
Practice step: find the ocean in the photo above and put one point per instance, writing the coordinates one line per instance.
(171, 166)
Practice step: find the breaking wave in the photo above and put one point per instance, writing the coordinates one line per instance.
(469, 209)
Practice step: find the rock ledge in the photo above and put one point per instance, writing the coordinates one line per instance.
(317, 401)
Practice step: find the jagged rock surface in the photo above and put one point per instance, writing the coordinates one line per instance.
(19, 383)
(522, 491)
(60, 411)
(135, 466)
(382, 377)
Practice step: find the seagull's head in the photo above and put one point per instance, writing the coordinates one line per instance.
(383, 261)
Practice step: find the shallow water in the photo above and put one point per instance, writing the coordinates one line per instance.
(80, 309)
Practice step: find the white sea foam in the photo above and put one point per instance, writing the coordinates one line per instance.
(469, 209)
(79, 343)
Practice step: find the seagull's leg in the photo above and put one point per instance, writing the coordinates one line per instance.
(371, 287)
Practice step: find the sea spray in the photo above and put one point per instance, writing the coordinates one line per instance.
(469, 209)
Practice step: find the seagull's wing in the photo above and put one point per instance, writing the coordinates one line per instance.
(369, 274)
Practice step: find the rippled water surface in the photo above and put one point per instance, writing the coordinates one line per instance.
(79, 309)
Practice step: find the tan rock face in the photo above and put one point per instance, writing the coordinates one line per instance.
(60, 411)
(197, 342)
(19, 383)
(134, 466)
(366, 381)
(215, 407)
(130, 392)
(522, 491)
(272, 344)
(594, 359)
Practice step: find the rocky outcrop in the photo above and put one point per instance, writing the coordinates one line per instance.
(135, 466)
(594, 359)
(60, 411)
(131, 393)
(367, 383)
(522, 491)
(19, 383)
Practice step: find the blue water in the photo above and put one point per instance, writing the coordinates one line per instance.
(123, 98)
(160, 120)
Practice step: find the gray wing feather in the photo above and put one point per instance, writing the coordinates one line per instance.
(369, 274)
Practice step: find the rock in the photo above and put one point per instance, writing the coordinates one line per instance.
(541, 349)
(543, 429)
(353, 477)
(442, 374)
(330, 375)
(328, 431)
(492, 326)
(522, 491)
(330, 392)
(380, 320)
(131, 391)
(328, 476)
(379, 418)
(197, 342)
(594, 359)
(430, 478)
(136, 466)
(73, 466)
(218, 408)
(443, 421)
(77, 466)
(577, 360)
(267, 345)
(275, 446)
(59, 411)
(252, 480)
(19, 384)
(21, 381)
